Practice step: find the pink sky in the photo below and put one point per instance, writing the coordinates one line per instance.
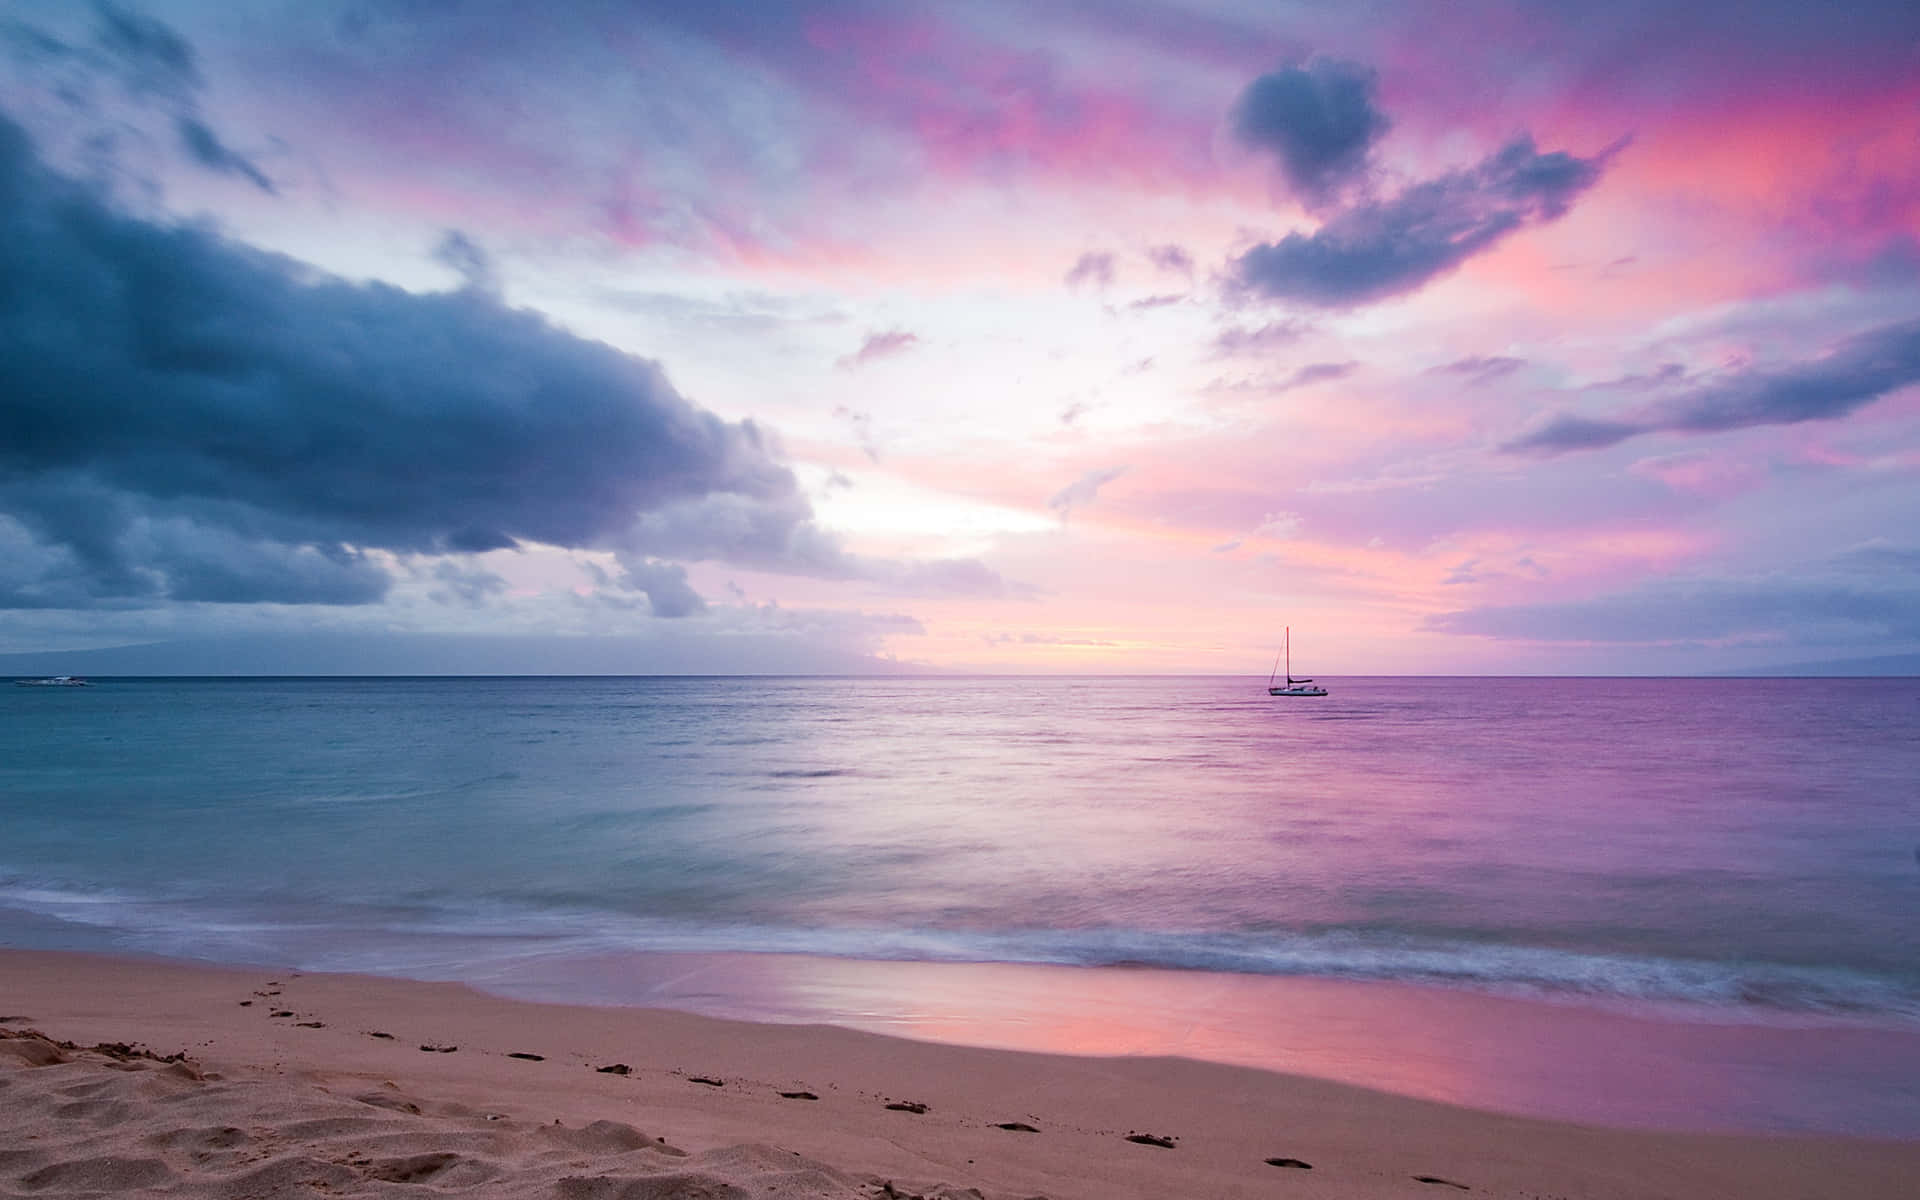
(1590, 335)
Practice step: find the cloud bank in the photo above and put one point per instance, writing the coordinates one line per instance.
(186, 418)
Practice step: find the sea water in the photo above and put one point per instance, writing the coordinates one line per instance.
(1710, 850)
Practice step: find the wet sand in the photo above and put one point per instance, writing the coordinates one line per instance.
(190, 1081)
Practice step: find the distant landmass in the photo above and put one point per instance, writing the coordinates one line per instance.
(1885, 664)
(449, 654)
(496, 654)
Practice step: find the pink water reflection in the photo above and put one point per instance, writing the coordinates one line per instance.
(1511, 1055)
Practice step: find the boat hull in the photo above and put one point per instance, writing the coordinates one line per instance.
(1296, 691)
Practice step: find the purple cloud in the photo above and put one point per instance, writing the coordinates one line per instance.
(1082, 491)
(889, 344)
(1375, 250)
(1093, 268)
(1165, 300)
(1477, 369)
(1171, 258)
(1271, 336)
(1857, 372)
(1314, 373)
(1318, 120)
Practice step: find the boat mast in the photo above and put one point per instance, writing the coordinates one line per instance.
(1287, 642)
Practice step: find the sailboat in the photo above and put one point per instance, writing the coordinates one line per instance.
(1294, 687)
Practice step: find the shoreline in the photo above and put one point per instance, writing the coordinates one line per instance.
(1224, 1121)
(1554, 1057)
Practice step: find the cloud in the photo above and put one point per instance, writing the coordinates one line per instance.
(152, 66)
(778, 538)
(1378, 249)
(1709, 611)
(1281, 526)
(209, 151)
(468, 586)
(1271, 336)
(1171, 258)
(668, 592)
(468, 259)
(1165, 300)
(1852, 375)
(1041, 639)
(1318, 120)
(890, 344)
(1315, 373)
(176, 403)
(942, 577)
(1478, 370)
(1082, 491)
(861, 422)
(1091, 268)
(153, 59)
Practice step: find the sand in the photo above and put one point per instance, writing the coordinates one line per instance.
(126, 1076)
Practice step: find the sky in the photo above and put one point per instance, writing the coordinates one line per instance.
(1052, 336)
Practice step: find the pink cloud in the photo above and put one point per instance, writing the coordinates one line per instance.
(880, 345)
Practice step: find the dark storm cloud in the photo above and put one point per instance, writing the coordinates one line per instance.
(1857, 372)
(1377, 249)
(187, 418)
(1319, 120)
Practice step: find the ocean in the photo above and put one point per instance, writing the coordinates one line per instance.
(1717, 851)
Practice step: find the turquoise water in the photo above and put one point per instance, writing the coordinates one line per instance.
(1726, 848)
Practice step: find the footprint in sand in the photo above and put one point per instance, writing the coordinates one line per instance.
(707, 1081)
(798, 1096)
(1148, 1139)
(1290, 1162)
(1442, 1182)
(385, 1037)
(311, 1024)
(615, 1069)
(907, 1106)
(528, 1057)
(1016, 1127)
(430, 1048)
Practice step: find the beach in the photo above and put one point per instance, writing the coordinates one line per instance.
(127, 1074)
